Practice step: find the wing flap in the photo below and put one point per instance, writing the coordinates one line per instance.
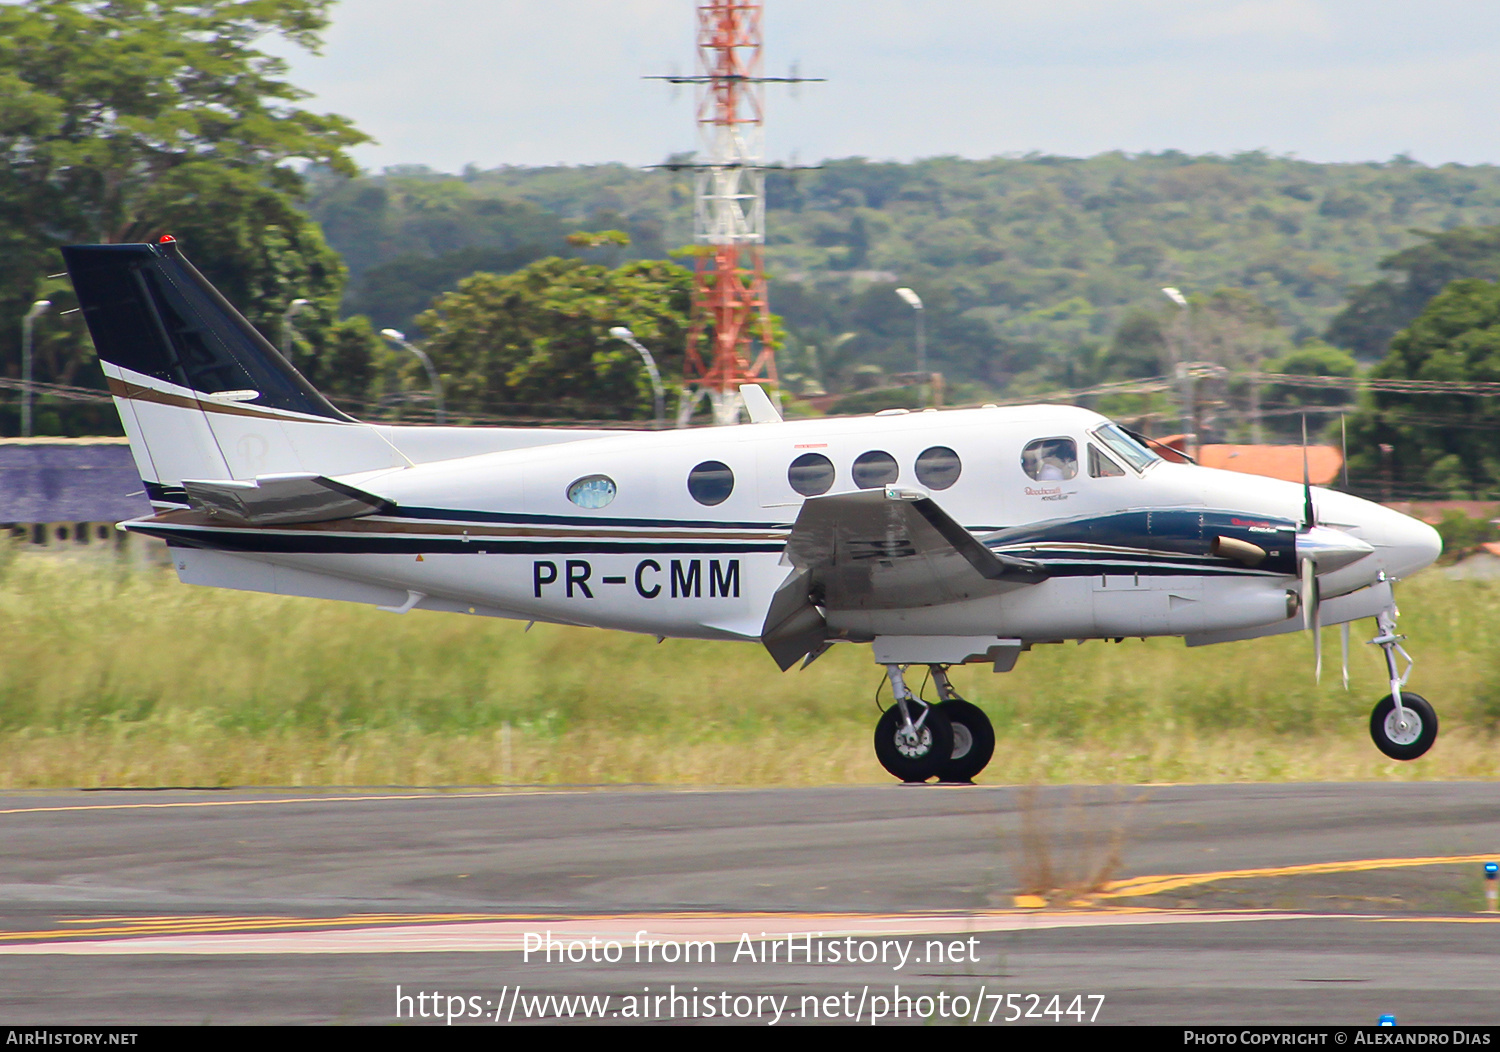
(274, 500)
(879, 550)
(891, 548)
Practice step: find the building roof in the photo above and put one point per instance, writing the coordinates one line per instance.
(1277, 462)
(69, 480)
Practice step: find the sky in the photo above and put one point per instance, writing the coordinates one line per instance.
(448, 83)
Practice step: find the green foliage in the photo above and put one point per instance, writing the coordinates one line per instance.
(877, 398)
(1312, 358)
(538, 341)
(1461, 534)
(122, 120)
(393, 294)
(1028, 266)
(1438, 444)
(1138, 348)
(105, 98)
(411, 234)
(1377, 310)
(347, 362)
(93, 692)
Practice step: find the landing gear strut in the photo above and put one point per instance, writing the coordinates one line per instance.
(1403, 724)
(916, 740)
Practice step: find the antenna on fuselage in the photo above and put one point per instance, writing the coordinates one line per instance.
(1344, 448)
(1309, 519)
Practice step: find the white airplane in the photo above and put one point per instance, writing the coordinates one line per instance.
(940, 537)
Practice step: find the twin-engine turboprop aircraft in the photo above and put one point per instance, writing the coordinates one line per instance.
(939, 537)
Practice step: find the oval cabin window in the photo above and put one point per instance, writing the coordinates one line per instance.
(711, 482)
(874, 469)
(811, 474)
(938, 467)
(592, 491)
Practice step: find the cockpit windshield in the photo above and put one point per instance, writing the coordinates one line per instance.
(1125, 447)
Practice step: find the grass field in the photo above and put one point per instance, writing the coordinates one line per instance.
(123, 677)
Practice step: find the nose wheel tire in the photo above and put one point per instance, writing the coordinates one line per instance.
(914, 757)
(973, 741)
(1408, 738)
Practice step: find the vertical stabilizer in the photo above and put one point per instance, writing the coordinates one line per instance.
(201, 393)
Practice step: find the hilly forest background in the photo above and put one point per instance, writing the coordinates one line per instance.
(1042, 276)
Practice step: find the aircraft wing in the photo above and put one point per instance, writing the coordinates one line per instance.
(879, 550)
(272, 500)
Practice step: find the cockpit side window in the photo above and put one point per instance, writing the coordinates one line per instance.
(1115, 439)
(1050, 459)
(1100, 466)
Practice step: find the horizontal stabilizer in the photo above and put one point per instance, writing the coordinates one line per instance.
(274, 500)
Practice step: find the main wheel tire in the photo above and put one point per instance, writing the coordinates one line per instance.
(1409, 741)
(973, 741)
(914, 761)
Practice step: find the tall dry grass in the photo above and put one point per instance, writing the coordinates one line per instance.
(112, 676)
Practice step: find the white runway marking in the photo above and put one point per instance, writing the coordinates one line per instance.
(500, 936)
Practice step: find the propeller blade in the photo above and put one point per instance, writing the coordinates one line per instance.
(1344, 645)
(1312, 617)
(1309, 591)
(1317, 643)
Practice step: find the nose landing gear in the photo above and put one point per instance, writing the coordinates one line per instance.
(916, 740)
(1403, 725)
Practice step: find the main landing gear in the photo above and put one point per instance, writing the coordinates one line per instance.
(951, 740)
(1403, 725)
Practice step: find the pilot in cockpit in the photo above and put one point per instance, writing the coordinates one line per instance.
(1051, 459)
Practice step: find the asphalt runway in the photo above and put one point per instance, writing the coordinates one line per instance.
(1266, 904)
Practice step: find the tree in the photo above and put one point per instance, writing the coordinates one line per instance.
(1378, 310)
(1436, 444)
(538, 341)
(1313, 358)
(107, 98)
(1139, 347)
(122, 120)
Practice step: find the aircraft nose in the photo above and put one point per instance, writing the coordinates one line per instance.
(1408, 544)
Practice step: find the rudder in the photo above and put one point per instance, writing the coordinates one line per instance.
(201, 393)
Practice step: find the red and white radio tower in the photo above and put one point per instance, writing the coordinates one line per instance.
(729, 341)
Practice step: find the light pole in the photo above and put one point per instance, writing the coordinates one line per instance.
(915, 303)
(398, 337)
(658, 396)
(1187, 400)
(287, 331)
(37, 310)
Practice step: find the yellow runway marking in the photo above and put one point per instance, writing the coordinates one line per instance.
(1488, 918)
(124, 927)
(1132, 886)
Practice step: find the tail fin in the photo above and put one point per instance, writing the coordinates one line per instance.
(201, 393)
(150, 311)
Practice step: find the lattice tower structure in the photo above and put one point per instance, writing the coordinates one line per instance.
(729, 340)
